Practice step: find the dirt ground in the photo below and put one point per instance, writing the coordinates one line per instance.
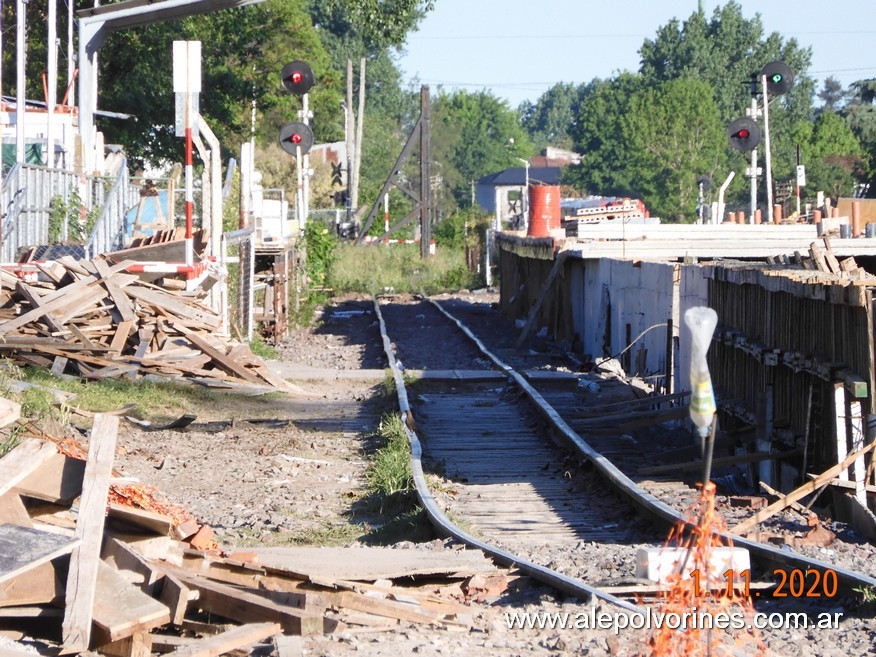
(290, 470)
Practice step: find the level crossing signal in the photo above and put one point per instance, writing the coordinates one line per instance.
(296, 135)
(744, 134)
(297, 77)
(779, 78)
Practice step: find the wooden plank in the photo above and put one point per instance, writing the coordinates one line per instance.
(123, 330)
(542, 295)
(288, 646)
(81, 293)
(809, 487)
(12, 511)
(23, 459)
(153, 522)
(36, 301)
(217, 356)
(121, 555)
(239, 637)
(39, 585)
(139, 644)
(176, 596)
(57, 480)
(799, 508)
(121, 609)
(10, 411)
(247, 607)
(174, 305)
(85, 561)
(23, 549)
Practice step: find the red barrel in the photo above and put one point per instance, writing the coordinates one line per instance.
(544, 210)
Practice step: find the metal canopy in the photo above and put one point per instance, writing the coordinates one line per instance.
(97, 22)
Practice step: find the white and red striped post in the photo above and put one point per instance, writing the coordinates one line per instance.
(189, 187)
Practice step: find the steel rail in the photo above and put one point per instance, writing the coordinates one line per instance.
(643, 499)
(444, 526)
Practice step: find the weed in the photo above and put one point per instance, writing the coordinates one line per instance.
(262, 349)
(867, 593)
(398, 267)
(389, 472)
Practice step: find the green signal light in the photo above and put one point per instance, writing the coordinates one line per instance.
(777, 78)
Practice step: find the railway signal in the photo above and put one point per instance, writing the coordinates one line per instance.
(296, 138)
(744, 134)
(297, 77)
(779, 78)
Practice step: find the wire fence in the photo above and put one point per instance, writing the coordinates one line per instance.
(238, 262)
(53, 212)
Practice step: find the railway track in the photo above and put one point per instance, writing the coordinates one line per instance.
(499, 465)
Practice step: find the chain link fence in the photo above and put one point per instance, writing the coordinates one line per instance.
(50, 213)
(238, 262)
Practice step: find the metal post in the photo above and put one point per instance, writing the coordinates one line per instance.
(305, 164)
(526, 198)
(299, 197)
(753, 177)
(51, 100)
(20, 80)
(766, 148)
(349, 129)
(425, 175)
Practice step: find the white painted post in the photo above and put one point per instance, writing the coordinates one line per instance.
(766, 147)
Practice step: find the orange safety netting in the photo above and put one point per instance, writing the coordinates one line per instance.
(703, 606)
(148, 498)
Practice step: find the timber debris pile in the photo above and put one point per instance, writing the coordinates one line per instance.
(96, 319)
(89, 560)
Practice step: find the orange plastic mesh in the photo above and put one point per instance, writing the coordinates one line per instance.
(696, 639)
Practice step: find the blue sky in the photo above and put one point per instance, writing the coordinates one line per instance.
(518, 49)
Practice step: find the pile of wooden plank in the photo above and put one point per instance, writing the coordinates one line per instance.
(823, 260)
(96, 320)
(85, 574)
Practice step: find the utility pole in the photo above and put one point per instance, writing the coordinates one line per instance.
(21, 40)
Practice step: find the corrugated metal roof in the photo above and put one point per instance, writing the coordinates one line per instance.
(516, 176)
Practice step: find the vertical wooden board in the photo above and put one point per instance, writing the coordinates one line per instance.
(175, 595)
(84, 563)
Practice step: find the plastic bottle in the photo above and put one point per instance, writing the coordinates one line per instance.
(701, 321)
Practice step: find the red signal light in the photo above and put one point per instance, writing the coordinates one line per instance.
(295, 138)
(743, 134)
(296, 77)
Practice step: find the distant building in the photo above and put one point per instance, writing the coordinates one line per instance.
(502, 193)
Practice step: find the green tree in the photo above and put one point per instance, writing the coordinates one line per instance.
(675, 135)
(860, 115)
(833, 154)
(600, 137)
(474, 134)
(832, 94)
(551, 119)
(725, 51)
(241, 62)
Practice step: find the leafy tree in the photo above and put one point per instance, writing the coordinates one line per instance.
(860, 115)
(675, 134)
(832, 94)
(725, 51)
(599, 136)
(474, 134)
(377, 24)
(552, 117)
